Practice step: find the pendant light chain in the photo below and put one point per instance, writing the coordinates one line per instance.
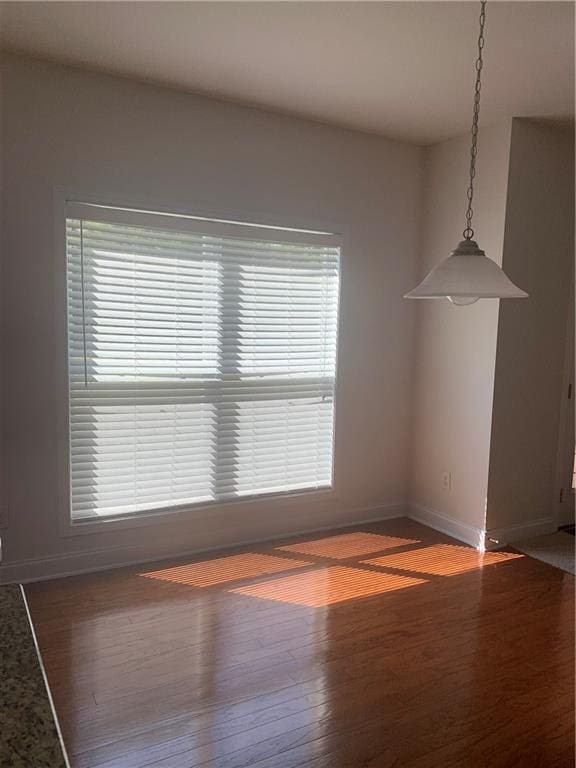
(469, 232)
(467, 274)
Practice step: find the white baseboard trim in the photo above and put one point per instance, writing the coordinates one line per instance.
(448, 525)
(93, 560)
(512, 533)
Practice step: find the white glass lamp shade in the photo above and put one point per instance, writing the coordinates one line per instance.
(466, 276)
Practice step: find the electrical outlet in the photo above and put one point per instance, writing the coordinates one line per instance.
(447, 482)
(4, 518)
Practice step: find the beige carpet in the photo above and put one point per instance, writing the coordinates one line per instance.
(557, 549)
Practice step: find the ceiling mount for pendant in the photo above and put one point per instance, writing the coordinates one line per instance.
(468, 274)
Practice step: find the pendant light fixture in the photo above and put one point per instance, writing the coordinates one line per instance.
(468, 274)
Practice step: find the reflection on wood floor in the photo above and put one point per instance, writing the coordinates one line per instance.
(389, 646)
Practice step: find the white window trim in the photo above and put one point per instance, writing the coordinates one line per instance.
(63, 199)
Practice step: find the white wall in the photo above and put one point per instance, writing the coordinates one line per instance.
(456, 346)
(538, 254)
(63, 127)
(488, 378)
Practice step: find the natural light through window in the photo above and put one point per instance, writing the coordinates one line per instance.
(347, 545)
(318, 578)
(326, 586)
(442, 560)
(201, 365)
(224, 569)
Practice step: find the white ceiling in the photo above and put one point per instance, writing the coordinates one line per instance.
(402, 69)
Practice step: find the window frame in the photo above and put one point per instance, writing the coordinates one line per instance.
(277, 502)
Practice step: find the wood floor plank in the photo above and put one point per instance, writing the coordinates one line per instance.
(181, 665)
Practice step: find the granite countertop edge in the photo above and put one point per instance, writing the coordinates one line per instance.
(29, 730)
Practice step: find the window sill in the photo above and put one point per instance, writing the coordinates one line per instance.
(182, 515)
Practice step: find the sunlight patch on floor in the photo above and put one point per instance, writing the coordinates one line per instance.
(441, 560)
(224, 569)
(348, 545)
(326, 586)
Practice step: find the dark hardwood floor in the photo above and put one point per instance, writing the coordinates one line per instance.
(385, 647)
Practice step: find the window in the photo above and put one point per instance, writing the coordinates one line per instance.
(201, 360)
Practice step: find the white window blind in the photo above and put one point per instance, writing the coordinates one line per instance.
(201, 360)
